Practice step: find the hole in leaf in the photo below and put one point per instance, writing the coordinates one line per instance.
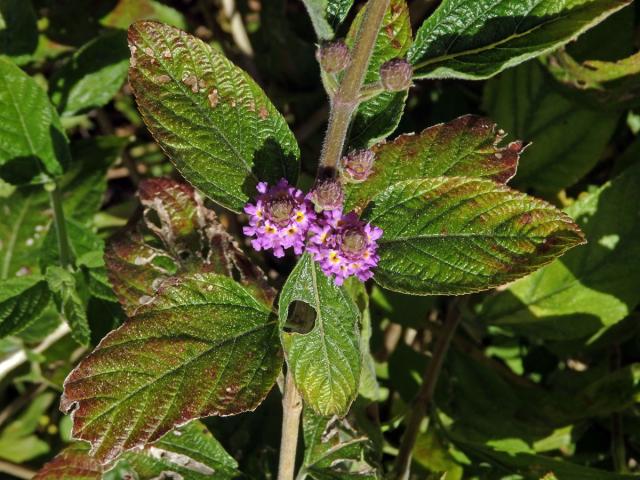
(301, 318)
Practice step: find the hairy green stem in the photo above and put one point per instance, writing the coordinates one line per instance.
(346, 100)
(55, 198)
(422, 401)
(291, 410)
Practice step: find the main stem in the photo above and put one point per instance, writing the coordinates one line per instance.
(291, 410)
(425, 395)
(64, 249)
(345, 102)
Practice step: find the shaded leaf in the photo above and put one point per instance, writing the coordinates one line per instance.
(460, 235)
(18, 30)
(92, 76)
(468, 146)
(334, 448)
(378, 117)
(475, 39)
(190, 452)
(326, 15)
(72, 306)
(325, 361)
(24, 223)
(22, 301)
(32, 140)
(176, 236)
(202, 346)
(128, 11)
(568, 137)
(213, 121)
(590, 288)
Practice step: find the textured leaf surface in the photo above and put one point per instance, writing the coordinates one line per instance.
(177, 235)
(475, 39)
(460, 235)
(568, 138)
(203, 346)
(213, 121)
(92, 76)
(335, 449)
(326, 15)
(31, 138)
(590, 288)
(190, 452)
(325, 362)
(24, 223)
(22, 300)
(378, 117)
(18, 30)
(468, 146)
(65, 289)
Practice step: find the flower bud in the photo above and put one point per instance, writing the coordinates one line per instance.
(333, 56)
(396, 74)
(328, 194)
(357, 165)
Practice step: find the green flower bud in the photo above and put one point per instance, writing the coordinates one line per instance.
(333, 56)
(396, 75)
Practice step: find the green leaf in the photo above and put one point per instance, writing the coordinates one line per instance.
(128, 11)
(326, 15)
(468, 146)
(326, 360)
(213, 121)
(334, 449)
(64, 286)
(176, 236)
(476, 39)
(92, 76)
(524, 102)
(377, 117)
(18, 30)
(590, 288)
(188, 452)
(460, 235)
(203, 346)
(23, 225)
(22, 301)
(32, 140)
(18, 443)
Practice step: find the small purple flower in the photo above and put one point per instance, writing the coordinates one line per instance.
(279, 219)
(344, 245)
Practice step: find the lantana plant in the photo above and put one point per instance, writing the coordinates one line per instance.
(209, 333)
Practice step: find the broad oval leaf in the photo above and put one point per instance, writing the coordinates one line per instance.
(568, 137)
(177, 235)
(213, 121)
(188, 452)
(590, 288)
(379, 116)
(203, 346)
(22, 301)
(32, 140)
(468, 146)
(460, 235)
(92, 76)
(325, 361)
(475, 39)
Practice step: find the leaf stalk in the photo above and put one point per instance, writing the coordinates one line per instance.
(55, 198)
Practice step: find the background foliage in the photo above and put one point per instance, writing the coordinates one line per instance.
(543, 376)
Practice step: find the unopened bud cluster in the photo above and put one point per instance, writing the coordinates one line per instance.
(327, 194)
(357, 165)
(333, 57)
(396, 74)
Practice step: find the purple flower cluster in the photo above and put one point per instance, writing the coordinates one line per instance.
(283, 217)
(279, 219)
